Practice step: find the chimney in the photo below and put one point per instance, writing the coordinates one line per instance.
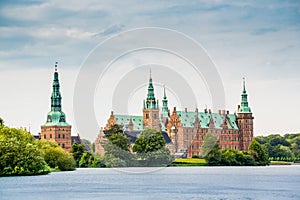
(174, 109)
(196, 110)
(205, 110)
(185, 109)
(219, 112)
(239, 107)
(227, 112)
(209, 110)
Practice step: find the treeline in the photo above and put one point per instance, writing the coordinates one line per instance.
(281, 148)
(255, 156)
(148, 150)
(20, 154)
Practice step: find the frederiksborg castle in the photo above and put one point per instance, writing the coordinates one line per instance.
(184, 131)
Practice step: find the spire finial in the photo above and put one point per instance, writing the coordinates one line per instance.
(150, 73)
(244, 87)
(165, 96)
(56, 66)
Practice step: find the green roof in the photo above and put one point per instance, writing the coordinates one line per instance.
(136, 120)
(244, 108)
(188, 119)
(56, 118)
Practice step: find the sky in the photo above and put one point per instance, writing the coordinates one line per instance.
(258, 40)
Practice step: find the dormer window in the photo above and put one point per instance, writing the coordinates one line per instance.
(49, 118)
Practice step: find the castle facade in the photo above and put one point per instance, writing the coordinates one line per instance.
(184, 131)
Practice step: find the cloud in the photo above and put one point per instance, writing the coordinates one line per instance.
(110, 30)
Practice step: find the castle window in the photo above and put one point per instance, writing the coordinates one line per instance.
(44, 136)
(154, 116)
(58, 135)
(50, 135)
(63, 135)
(63, 145)
(147, 116)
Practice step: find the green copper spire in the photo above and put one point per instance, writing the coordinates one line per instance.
(151, 101)
(165, 104)
(56, 96)
(244, 108)
(56, 117)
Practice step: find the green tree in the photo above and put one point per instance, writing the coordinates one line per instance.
(19, 155)
(120, 140)
(114, 129)
(285, 151)
(111, 161)
(161, 157)
(214, 157)
(230, 157)
(150, 140)
(209, 142)
(55, 156)
(98, 162)
(258, 153)
(117, 152)
(244, 159)
(151, 149)
(77, 151)
(117, 148)
(86, 159)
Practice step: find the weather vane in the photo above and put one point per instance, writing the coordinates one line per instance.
(56, 66)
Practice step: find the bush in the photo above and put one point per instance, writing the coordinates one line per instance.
(55, 156)
(111, 161)
(19, 155)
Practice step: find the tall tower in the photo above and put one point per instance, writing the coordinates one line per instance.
(165, 109)
(151, 109)
(245, 120)
(56, 128)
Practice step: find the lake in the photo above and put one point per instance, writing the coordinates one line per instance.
(273, 182)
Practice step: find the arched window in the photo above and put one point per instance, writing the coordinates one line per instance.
(63, 145)
(50, 135)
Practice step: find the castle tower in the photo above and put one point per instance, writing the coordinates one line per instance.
(151, 109)
(56, 128)
(165, 109)
(245, 120)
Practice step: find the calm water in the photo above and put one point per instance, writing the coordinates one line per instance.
(274, 182)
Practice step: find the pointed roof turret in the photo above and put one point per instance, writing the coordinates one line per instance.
(56, 117)
(165, 104)
(244, 108)
(151, 102)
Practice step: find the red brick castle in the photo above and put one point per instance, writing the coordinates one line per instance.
(184, 131)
